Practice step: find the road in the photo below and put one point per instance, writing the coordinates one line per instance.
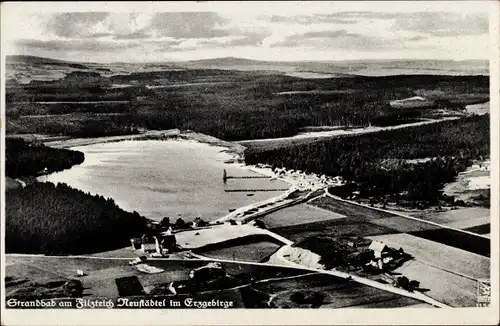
(386, 287)
(361, 280)
(284, 263)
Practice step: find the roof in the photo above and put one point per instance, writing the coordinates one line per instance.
(377, 246)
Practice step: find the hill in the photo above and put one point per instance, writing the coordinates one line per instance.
(24, 68)
(350, 67)
(29, 59)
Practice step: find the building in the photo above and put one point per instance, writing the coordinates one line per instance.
(145, 243)
(378, 248)
(165, 243)
(198, 222)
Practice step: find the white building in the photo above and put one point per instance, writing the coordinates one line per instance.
(378, 248)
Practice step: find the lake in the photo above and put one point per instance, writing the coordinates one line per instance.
(159, 178)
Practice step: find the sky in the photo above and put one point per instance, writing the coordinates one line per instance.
(274, 31)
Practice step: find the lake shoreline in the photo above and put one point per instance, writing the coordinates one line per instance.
(169, 134)
(154, 160)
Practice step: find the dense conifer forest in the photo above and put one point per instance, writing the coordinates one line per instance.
(29, 159)
(379, 164)
(47, 219)
(43, 218)
(232, 105)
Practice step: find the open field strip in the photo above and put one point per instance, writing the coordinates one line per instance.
(67, 257)
(267, 280)
(405, 216)
(199, 238)
(74, 142)
(303, 213)
(444, 257)
(335, 133)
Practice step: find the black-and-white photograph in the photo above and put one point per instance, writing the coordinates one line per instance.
(204, 155)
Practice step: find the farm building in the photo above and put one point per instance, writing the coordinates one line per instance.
(165, 243)
(378, 248)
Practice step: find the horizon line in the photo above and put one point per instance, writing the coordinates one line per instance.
(248, 59)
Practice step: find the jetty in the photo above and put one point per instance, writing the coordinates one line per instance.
(254, 190)
(225, 177)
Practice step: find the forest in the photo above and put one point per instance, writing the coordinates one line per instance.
(262, 108)
(378, 164)
(44, 218)
(234, 105)
(28, 159)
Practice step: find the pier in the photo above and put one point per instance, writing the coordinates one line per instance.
(250, 177)
(254, 190)
(225, 177)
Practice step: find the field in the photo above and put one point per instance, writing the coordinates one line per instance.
(254, 251)
(442, 264)
(338, 228)
(101, 273)
(461, 218)
(337, 293)
(298, 214)
(216, 237)
(398, 224)
(449, 288)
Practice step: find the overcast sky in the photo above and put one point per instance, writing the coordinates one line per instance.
(284, 31)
